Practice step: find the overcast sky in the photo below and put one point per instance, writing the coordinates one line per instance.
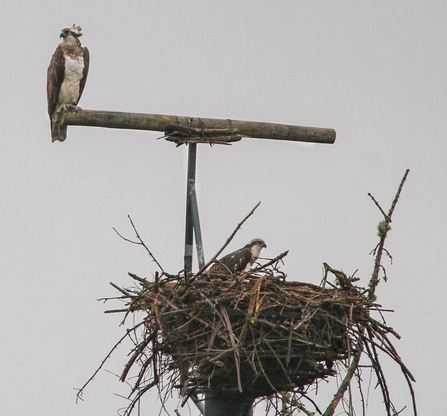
(373, 71)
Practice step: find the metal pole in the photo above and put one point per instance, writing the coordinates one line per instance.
(192, 214)
(192, 227)
(215, 404)
(189, 227)
(196, 226)
(227, 404)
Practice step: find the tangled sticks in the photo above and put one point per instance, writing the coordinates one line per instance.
(256, 335)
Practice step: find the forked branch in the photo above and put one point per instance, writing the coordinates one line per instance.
(139, 242)
(383, 229)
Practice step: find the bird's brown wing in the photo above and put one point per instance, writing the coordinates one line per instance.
(86, 56)
(232, 263)
(55, 76)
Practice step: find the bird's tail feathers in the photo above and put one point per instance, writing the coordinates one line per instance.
(58, 132)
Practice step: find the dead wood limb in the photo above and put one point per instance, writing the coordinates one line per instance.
(116, 310)
(159, 122)
(140, 348)
(139, 242)
(120, 289)
(150, 362)
(342, 280)
(81, 390)
(268, 264)
(144, 282)
(384, 327)
(388, 348)
(383, 228)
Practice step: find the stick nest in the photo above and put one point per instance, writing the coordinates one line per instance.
(252, 333)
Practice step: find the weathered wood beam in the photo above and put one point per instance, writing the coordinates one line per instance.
(159, 122)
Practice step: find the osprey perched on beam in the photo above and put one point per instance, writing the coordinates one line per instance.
(240, 260)
(66, 77)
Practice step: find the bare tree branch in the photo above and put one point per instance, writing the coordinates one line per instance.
(81, 390)
(383, 227)
(139, 242)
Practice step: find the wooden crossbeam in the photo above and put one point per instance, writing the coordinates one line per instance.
(159, 122)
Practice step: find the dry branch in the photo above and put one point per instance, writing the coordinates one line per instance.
(383, 229)
(139, 242)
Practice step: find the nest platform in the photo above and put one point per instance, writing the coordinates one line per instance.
(255, 334)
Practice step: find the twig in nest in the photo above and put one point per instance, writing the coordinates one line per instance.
(342, 280)
(136, 354)
(269, 263)
(81, 390)
(139, 242)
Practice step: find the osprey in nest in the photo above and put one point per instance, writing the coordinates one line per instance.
(240, 260)
(66, 77)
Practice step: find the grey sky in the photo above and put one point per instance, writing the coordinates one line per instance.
(374, 71)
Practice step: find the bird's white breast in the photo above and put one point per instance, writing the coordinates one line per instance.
(256, 251)
(69, 92)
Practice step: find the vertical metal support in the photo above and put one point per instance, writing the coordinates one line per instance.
(226, 404)
(215, 404)
(189, 236)
(192, 227)
(197, 230)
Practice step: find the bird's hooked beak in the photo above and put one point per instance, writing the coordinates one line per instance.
(63, 35)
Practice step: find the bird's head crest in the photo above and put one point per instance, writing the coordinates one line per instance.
(257, 241)
(74, 31)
